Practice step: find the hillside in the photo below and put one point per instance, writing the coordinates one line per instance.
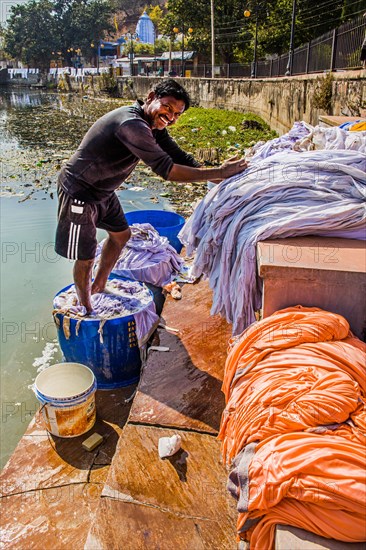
(128, 13)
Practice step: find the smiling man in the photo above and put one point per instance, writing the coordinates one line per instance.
(109, 152)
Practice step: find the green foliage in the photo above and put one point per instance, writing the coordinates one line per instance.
(156, 15)
(162, 45)
(322, 98)
(351, 7)
(108, 83)
(185, 15)
(226, 130)
(138, 48)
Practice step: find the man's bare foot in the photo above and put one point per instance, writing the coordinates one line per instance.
(97, 287)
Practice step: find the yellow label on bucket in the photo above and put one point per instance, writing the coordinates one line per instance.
(70, 421)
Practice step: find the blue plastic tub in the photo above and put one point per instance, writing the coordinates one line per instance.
(168, 224)
(115, 361)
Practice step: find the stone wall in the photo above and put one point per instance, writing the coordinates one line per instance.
(91, 85)
(279, 101)
(31, 80)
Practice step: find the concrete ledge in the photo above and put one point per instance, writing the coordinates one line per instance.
(327, 121)
(279, 101)
(328, 273)
(292, 538)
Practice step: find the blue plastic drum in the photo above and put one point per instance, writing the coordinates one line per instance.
(168, 224)
(113, 355)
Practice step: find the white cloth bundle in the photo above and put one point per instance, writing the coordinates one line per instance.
(287, 194)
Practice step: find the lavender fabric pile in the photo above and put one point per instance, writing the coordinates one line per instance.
(147, 257)
(281, 194)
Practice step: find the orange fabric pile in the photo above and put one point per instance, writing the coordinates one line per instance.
(295, 390)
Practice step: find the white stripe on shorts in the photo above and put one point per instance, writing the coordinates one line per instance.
(72, 248)
(76, 244)
(71, 234)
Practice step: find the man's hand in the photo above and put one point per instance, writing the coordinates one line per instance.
(229, 168)
(232, 166)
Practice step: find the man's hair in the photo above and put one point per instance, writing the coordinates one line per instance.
(172, 88)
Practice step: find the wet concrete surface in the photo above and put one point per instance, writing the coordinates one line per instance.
(160, 496)
(182, 387)
(50, 487)
(142, 527)
(56, 495)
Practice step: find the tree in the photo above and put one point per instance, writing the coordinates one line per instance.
(156, 15)
(183, 15)
(31, 33)
(42, 30)
(3, 54)
(81, 25)
(230, 26)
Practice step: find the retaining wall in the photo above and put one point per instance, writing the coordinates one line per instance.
(279, 101)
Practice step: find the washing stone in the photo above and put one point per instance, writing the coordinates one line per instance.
(93, 441)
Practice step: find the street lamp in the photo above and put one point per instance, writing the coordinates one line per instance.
(100, 46)
(176, 30)
(96, 53)
(253, 73)
(132, 37)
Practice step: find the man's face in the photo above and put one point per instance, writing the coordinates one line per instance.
(163, 111)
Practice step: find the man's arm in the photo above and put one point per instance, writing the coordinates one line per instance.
(229, 168)
(137, 136)
(170, 146)
(183, 160)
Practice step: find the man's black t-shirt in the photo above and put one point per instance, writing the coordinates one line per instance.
(110, 151)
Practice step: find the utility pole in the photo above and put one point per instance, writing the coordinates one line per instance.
(291, 52)
(182, 49)
(170, 55)
(212, 40)
(254, 67)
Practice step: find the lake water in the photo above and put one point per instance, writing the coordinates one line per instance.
(37, 131)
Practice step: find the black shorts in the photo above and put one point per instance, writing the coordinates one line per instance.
(76, 234)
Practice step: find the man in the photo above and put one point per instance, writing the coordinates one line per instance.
(108, 153)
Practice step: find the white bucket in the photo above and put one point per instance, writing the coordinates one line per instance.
(67, 393)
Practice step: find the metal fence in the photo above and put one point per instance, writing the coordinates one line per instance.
(338, 49)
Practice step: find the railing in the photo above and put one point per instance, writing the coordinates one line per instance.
(339, 49)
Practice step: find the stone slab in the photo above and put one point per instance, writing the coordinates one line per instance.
(182, 387)
(58, 517)
(42, 460)
(176, 502)
(133, 526)
(51, 486)
(292, 538)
